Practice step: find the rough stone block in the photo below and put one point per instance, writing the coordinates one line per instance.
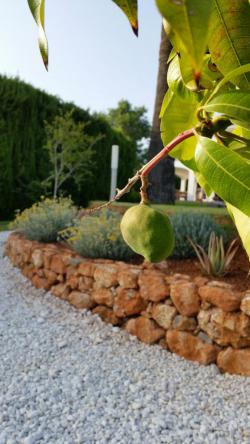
(107, 315)
(87, 269)
(185, 298)
(234, 361)
(128, 302)
(103, 296)
(190, 347)
(106, 275)
(164, 314)
(245, 304)
(153, 286)
(61, 290)
(37, 258)
(80, 300)
(128, 278)
(145, 329)
(221, 296)
(57, 264)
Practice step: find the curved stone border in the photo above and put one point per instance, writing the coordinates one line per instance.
(201, 320)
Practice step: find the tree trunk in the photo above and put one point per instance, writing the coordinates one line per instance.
(161, 178)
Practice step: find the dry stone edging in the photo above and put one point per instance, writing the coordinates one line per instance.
(204, 321)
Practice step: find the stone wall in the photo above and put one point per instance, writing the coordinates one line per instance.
(200, 319)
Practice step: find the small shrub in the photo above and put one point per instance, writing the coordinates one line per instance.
(216, 261)
(43, 221)
(99, 236)
(196, 226)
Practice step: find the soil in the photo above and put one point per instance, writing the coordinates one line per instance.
(238, 274)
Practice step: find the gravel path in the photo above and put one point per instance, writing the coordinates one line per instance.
(66, 377)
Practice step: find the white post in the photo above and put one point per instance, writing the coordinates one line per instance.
(192, 187)
(114, 168)
(183, 185)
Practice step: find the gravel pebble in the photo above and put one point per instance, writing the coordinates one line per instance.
(68, 378)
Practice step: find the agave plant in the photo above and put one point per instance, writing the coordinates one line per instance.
(216, 261)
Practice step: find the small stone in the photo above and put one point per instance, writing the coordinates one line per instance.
(205, 338)
(184, 323)
(37, 258)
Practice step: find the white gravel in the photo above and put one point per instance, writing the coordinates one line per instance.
(66, 378)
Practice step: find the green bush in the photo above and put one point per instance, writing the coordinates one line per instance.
(99, 236)
(43, 221)
(195, 226)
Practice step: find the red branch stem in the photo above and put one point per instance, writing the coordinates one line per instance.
(164, 152)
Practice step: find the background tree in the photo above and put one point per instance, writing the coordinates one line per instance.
(70, 151)
(133, 124)
(162, 178)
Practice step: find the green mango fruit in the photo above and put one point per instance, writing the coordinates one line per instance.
(148, 232)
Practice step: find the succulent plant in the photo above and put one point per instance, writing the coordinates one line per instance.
(216, 261)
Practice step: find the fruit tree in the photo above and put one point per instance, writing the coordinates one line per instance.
(205, 114)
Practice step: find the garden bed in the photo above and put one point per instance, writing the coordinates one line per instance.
(203, 320)
(238, 275)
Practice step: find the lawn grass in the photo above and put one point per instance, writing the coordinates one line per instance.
(4, 225)
(171, 209)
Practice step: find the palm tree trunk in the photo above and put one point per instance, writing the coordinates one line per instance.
(161, 178)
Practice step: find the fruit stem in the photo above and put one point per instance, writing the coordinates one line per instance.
(143, 189)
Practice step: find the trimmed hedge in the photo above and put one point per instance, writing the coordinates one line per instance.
(23, 162)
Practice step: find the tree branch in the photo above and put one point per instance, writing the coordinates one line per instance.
(144, 171)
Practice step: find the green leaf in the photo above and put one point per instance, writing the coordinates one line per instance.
(178, 114)
(242, 223)
(37, 10)
(203, 183)
(231, 75)
(226, 172)
(189, 21)
(130, 9)
(242, 149)
(230, 36)
(234, 105)
(180, 69)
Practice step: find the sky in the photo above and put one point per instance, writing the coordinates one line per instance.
(95, 59)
